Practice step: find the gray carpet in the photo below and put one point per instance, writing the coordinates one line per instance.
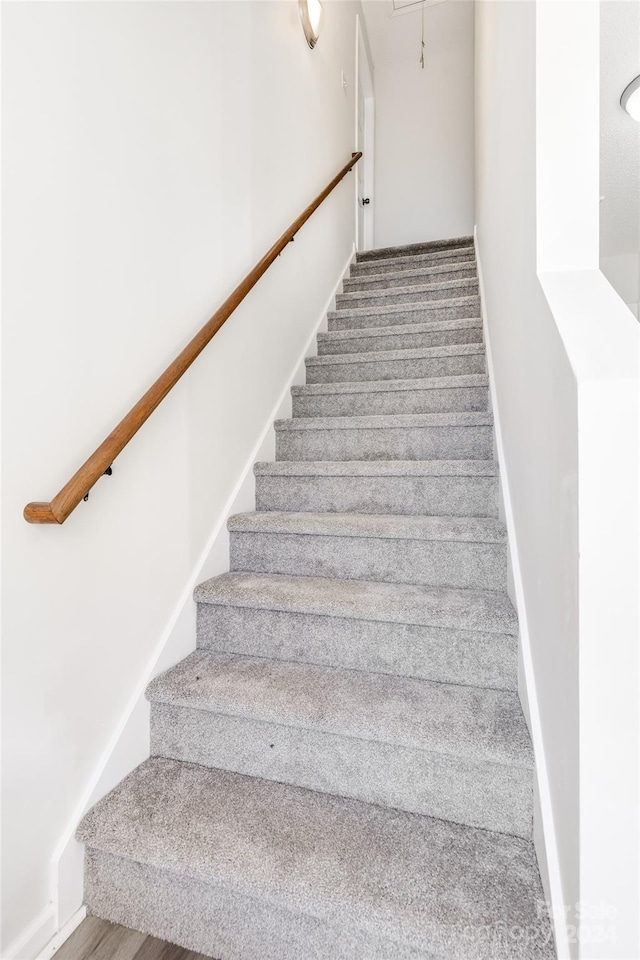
(453, 246)
(381, 881)
(342, 770)
(402, 278)
(388, 315)
(386, 397)
(447, 360)
(401, 337)
(427, 436)
(414, 293)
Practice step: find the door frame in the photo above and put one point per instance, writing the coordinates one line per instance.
(364, 81)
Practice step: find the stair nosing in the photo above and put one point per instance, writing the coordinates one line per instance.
(396, 421)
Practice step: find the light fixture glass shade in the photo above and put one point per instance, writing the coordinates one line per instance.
(311, 15)
(630, 99)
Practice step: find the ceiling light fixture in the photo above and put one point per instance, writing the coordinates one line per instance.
(311, 15)
(630, 99)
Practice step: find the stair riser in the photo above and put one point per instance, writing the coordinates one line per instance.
(462, 288)
(431, 496)
(460, 308)
(400, 369)
(477, 794)
(435, 563)
(407, 278)
(401, 341)
(401, 649)
(410, 443)
(462, 399)
(217, 921)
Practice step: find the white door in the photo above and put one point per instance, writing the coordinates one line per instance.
(363, 200)
(365, 113)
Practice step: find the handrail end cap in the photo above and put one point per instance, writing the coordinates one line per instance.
(39, 513)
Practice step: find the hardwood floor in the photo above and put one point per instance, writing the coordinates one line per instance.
(100, 940)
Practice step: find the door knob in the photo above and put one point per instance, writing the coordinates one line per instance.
(365, 201)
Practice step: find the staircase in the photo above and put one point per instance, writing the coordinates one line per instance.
(342, 770)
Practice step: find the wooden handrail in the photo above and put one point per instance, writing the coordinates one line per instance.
(101, 459)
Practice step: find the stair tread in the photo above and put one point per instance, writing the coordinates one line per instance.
(476, 723)
(331, 336)
(396, 421)
(377, 526)
(391, 308)
(381, 253)
(417, 271)
(486, 611)
(390, 386)
(410, 878)
(377, 468)
(352, 296)
(414, 353)
(435, 258)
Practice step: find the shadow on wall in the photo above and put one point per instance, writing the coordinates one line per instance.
(619, 152)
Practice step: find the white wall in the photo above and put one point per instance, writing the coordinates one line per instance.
(565, 367)
(151, 153)
(424, 122)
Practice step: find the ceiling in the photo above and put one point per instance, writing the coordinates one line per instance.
(619, 134)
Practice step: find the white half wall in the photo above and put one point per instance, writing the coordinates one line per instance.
(565, 356)
(424, 179)
(152, 152)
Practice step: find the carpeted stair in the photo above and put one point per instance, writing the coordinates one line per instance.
(342, 770)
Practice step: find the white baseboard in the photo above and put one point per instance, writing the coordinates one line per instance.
(40, 939)
(63, 935)
(543, 821)
(34, 937)
(129, 744)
